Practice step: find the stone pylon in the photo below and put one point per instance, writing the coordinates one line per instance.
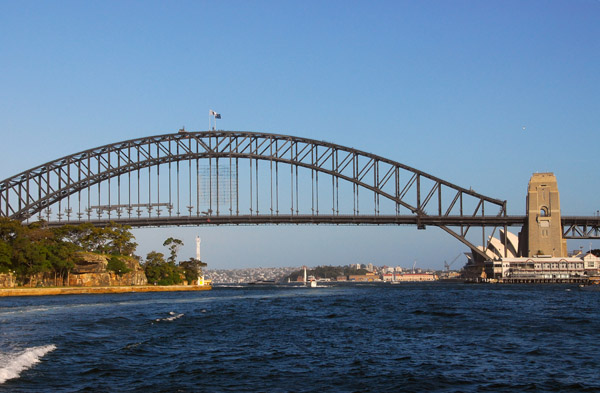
(543, 233)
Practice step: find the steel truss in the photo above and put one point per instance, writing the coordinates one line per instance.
(581, 227)
(415, 197)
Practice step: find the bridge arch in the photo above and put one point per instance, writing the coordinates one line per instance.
(418, 198)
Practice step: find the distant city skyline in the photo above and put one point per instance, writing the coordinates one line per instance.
(479, 94)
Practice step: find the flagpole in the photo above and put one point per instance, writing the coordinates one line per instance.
(214, 115)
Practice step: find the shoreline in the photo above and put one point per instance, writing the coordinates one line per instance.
(6, 292)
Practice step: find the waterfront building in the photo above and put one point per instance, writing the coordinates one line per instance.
(539, 253)
(592, 264)
(364, 277)
(412, 277)
(540, 269)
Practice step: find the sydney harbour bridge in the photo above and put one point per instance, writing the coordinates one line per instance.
(238, 178)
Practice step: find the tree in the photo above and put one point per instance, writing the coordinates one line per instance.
(80, 235)
(61, 258)
(115, 239)
(192, 268)
(5, 257)
(30, 258)
(120, 239)
(117, 265)
(174, 246)
(153, 265)
(160, 271)
(29, 248)
(34, 248)
(10, 229)
(328, 272)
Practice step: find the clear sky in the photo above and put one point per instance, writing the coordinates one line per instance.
(479, 93)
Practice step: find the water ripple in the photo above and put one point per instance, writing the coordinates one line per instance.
(344, 338)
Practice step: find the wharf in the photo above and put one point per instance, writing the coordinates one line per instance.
(21, 291)
(529, 280)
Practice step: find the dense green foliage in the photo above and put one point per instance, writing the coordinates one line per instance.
(114, 239)
(192, 268)
(161, 272)
(117, 265)
(26, 250)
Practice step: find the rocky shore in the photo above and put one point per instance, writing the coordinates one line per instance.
(21, 291)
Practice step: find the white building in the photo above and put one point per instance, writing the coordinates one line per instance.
(505, 265)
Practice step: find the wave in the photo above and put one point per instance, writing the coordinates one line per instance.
(172, 317)
(15, 364)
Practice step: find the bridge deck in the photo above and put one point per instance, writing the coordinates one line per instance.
(574, 227)
(311, 219)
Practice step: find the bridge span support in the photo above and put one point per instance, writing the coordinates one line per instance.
(543, 234)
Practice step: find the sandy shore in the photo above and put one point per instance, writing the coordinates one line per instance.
(85, 290)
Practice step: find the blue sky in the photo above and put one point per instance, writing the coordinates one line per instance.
(442, 86)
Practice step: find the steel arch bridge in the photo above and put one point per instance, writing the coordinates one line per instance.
(236, 177)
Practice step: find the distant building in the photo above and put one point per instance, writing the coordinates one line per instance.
(545, 269)
(539, 253)
(410, 277)
(592, 264)
(364, 277)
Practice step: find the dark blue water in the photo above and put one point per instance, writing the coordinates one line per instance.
(378, 338)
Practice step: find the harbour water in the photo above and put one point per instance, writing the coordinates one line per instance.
(347, 338)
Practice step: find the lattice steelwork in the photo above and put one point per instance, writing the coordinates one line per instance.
(581, 227)
(253, 178)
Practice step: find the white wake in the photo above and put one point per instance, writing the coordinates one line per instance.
(172, 317)
(12, 365)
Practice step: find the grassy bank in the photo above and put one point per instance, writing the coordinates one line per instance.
(90, 290)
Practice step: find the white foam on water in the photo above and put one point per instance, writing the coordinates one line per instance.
(171, 318)
(12, 365)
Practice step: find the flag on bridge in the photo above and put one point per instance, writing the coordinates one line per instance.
(215, 114)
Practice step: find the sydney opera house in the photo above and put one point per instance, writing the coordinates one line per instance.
(504, 264)
(539, 253)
